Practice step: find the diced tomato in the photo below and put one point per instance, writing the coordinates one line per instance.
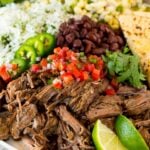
(60, 66)
(14, 66)
(65, 49)
(96, 74)
(84, 75)
(53, 57)
(110, 91)
(67, 78)
(58, 85)
(57, 50)
(114, 83)
(61, 52)
(77, 73)
(4, 74)
(100, 63)
(70, 67)
(89, 67)
(102, 74)
(35, 68)
(43, 62)
(70, 55)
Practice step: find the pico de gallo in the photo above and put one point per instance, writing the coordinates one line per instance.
(70, 66)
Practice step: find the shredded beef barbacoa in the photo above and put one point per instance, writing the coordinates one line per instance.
(62, 119)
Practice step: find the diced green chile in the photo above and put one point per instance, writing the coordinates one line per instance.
(27, 53)
(37, 44)
(21, 63)
(48, 41)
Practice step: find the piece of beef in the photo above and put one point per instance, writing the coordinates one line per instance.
(72, 135)
(104, 107)
(22, 97)
(128, 90)
(39, 122)
(138, 104)
(81, 95)
(46, 93)
(18, 84)
(23, 119)
(5, 122)
(144, 123)
(145, 132)
(27, 80)
(51, 124)
(81, 101)
(40, 140)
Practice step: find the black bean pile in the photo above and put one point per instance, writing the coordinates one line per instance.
(89, 36)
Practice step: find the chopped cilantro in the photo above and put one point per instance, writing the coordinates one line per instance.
(125, 67)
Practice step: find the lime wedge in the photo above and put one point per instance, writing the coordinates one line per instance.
(129, 135)
(104, 138)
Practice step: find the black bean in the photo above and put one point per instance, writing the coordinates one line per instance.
(70, 37)
(112, 39)
(83, 32)
(63, 26)
(66, 31)
(77, 43)
(89, 36)
(77, 34)
(120, 40)
(71, 21)
(85, 18)
(87, 25)
(114, 46)
(103, 27)
(101, 34)
(105, 45)
(60, 40)
(88, 45)
(98, 51)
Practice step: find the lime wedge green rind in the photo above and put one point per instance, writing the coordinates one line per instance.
(129, 135)
(104, 138)
(95, 136)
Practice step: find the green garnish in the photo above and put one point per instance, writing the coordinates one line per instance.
(125, 67)
(92, 60)
(50, 81)
(81, 54)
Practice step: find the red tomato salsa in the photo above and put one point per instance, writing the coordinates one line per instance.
(71, 66)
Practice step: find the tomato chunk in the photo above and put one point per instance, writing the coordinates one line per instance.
(4, 74)
(96, 74)
(35, 68)
(110, 91)
(43, 62)
(67, 78)
(84, 75)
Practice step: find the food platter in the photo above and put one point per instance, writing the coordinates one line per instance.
(74, 75)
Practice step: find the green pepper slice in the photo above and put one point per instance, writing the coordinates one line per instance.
(21, 63)
(37, 44)
(4, 2)
(49, 42)
(27, 53)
